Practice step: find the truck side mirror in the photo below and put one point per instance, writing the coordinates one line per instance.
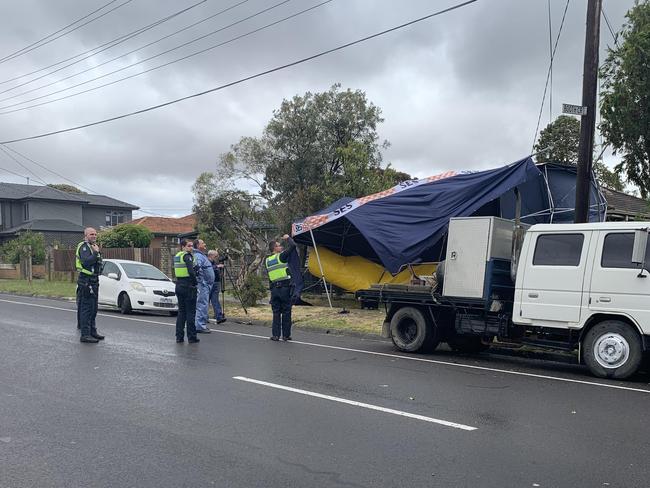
(639, 249)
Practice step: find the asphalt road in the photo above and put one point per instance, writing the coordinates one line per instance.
(238, 410)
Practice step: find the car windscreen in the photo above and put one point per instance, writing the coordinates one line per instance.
(143, 272)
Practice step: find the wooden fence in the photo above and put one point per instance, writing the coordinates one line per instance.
(64, 259)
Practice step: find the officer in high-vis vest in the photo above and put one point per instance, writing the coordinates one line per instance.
(280, 284)
(185, 292)
(88, 262)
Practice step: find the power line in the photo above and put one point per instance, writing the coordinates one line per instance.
(36, 45)
(5, 149)
(15, 174)
(548, 73)
(36, 177)
(97, 49)
(137, 62)
(248, 78)
(609, 26)
(8, 148)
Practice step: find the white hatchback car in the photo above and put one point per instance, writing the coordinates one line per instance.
(131, 285)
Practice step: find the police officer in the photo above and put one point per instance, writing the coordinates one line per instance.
(88, 262)
(185, 292)
(280, 285)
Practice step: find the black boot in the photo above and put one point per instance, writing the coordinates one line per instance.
(97, 336)
(88, 338)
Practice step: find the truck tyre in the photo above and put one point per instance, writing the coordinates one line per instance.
(412, 332)
(612, 349)
(467, 344)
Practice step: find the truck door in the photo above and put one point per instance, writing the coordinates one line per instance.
(615, 282)
(552, 284)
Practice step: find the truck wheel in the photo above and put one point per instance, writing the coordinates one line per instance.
(412, 332)
(468, 344)
(612, 349)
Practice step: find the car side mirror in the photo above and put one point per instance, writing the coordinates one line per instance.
(113, 276)
(639, 249)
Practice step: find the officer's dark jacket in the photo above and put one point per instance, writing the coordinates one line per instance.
(90, 260)
(284, 255)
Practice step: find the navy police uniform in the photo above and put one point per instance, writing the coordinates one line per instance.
(89, 265)
(280, 285)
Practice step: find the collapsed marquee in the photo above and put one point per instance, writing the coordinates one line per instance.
(408, 222)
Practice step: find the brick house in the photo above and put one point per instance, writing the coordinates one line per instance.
(167, 229)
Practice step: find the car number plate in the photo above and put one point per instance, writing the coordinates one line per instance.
(166, 300)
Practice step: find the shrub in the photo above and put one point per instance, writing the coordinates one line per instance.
(125, 235)
(11, 251)
(253, 289)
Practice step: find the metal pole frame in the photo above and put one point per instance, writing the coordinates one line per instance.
(320, 266)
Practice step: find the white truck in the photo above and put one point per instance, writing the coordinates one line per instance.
(581, 287)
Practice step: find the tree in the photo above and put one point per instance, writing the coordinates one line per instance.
(234, 221)
(625, 99)
(125, 235)
(558, 141)
(316, 148)
(66, 188)
(13, 249)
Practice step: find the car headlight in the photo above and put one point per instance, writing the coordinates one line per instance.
(138, 287)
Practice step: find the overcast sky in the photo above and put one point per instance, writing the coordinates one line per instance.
(458, 91)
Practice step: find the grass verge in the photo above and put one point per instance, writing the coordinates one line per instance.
(355, 321)
(57, 289)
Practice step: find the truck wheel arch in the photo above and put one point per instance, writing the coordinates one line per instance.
(597, 318)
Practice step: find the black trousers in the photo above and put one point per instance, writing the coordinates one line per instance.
(281, 306)
(87, 292)
(186, 296)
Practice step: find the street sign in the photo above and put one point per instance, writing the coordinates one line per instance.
(573, 109)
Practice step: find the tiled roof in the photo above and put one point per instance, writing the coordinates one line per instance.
(104, 201)
(14, 191)
(49, 225)
(168, 225)
(619, 202)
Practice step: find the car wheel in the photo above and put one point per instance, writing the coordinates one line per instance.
(612, 349)
(125, 303)
(412, 332)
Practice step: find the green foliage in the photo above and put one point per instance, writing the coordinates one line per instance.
(125, 235)
(562, 137)
(253, 290)
(12, 250)
(315, 149)
(558, 141)
(625, 99)
(232, 219)
(66, 188)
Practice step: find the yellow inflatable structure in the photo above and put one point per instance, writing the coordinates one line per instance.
(354, 273)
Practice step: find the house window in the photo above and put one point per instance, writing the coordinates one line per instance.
(114, 217)
(25, 211)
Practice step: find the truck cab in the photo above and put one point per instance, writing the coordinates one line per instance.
(583, 278)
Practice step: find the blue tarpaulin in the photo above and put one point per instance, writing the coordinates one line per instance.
(407, 223)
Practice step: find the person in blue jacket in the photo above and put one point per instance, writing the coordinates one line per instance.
(205, 281)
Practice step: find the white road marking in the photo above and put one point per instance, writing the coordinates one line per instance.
(357, 404)
(362, 351)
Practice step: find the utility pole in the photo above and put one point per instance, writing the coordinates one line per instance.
(588, 120)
